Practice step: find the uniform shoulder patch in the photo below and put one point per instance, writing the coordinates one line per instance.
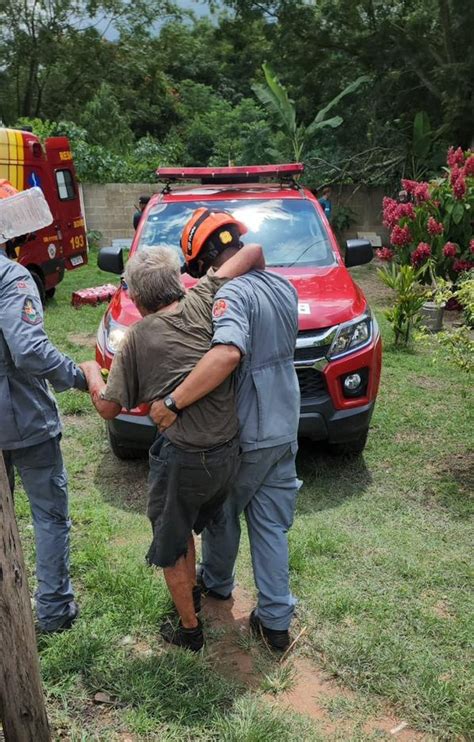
(22, 287)
(219, 308)
(29, 313)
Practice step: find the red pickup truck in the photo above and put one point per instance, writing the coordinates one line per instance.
(338, 351)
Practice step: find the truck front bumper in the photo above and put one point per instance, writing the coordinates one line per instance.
(134, 431)
(320, 421)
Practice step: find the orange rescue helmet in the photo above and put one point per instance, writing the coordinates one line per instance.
(6, 189)
(202, 225)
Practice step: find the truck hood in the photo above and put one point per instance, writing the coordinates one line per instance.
(326, 297)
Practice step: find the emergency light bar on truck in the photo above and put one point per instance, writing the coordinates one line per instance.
(222, 175)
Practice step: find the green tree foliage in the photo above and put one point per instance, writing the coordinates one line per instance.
(104, 119)
(143, 78)
(50, 50)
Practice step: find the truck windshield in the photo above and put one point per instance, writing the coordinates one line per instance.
(290, 230)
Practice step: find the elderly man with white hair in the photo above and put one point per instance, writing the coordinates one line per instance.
(192, 468)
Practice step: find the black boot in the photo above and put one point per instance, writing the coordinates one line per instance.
(279, 640)
(64, 626)
(207, 590)
(192, 639)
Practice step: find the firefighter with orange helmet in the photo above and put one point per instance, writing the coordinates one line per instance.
(255, 319)
(30, 431)
(205, 236)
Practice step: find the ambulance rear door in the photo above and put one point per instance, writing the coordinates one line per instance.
(65, 202)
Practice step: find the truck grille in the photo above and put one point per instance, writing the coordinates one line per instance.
(311, 347)
(311, 354)
(312, 383)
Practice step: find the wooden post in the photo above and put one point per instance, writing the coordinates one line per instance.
(22, 708)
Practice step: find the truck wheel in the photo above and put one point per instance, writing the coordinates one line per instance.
(50, 292)
(124, 452)
(40, 286)
(349, 448)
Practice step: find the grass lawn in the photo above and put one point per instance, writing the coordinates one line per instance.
(381, 559)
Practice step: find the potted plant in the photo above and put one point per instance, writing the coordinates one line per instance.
(439, 292)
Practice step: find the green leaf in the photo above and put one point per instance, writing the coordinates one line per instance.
(349, 89)
(275, 98)
(458, 212)
(333, 122)
(422, 135)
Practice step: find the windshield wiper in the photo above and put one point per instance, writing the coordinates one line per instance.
(313, 244)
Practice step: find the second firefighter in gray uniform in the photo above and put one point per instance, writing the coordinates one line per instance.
(258, 314)
(30, 433)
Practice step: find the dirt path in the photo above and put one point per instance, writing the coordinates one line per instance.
(310, 691)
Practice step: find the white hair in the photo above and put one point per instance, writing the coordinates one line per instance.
(153, 278)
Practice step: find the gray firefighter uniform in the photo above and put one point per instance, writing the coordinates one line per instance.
(30, 432)
(258, 313)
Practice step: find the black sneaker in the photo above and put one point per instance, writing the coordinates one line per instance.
(192, 639)
(64, 626)
(207, 591)
(279, 640)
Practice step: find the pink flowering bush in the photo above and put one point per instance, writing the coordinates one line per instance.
(450, 250)
(434, 227)
(385, 254)
(421, 254)
(436, 223)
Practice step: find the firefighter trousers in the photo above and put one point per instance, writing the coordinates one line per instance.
(265, 491)
(44, 479)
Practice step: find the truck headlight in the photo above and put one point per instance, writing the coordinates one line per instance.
(352, 335)
(114, 335)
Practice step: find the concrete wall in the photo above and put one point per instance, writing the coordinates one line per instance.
(109, 208)
(367, 205)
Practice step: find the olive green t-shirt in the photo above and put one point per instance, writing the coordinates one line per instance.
(158, 352)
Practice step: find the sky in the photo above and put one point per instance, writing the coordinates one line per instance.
(201, 7)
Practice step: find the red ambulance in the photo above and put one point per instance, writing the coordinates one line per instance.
(25, 163)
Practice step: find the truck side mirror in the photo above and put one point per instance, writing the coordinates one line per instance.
(110, 259)
(358, 252)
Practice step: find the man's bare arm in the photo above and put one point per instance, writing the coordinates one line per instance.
(248, 258)
(213, 368)
(96, 384)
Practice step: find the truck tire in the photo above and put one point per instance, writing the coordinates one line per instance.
(124, 452)
(50, 292)
(39, 285)
(350, 449)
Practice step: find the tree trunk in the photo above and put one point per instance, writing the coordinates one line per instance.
(22, 709)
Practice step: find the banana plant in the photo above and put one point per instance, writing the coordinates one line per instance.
(422, 153)
(274, 96)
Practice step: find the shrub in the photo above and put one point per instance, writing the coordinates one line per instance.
(403, 316)
(436, 222)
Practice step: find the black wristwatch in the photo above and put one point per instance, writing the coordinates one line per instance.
(170, 404)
